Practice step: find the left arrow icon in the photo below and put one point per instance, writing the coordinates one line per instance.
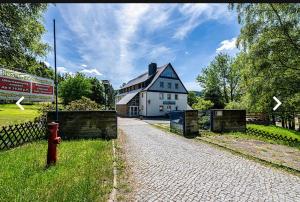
(19, 101)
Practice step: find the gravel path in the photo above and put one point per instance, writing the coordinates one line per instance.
(168, 167)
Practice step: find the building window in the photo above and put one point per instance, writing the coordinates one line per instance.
(176, 85)
(161, 108)
(169, 85)
(161, 84)
(161, 96)
(142, 108)
(142, 95)
(169, 107)
(169, 96)
(176, 96)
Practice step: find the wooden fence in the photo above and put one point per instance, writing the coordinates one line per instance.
(16, 135)
(274, 136)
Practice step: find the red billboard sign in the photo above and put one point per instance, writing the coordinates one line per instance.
(15, 84)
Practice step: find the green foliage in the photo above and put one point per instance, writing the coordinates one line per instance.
(202, 104)
(220, 80)
(98, 91)
(21, 32)
(110, 96)
(84, 104)
(74, 87)
(83, 172)
(235, 105)
(276, 130)
(271, 63)
(192, 98)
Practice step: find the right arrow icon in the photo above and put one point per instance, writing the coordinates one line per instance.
(278, 103)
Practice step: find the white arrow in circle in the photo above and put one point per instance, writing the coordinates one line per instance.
(278, 103)
(18, 103)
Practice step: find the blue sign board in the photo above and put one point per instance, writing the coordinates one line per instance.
(169, 102)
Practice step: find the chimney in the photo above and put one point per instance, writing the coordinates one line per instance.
(152, 69)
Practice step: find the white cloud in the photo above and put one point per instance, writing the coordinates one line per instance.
(62, 70)
(46, 63)
(192, 85)
(195, 14)
(114, 37)
(91, 71)
(227, 45)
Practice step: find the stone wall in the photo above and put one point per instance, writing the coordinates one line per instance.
(228, 120)
(191, 123)
(184, 122)
(86, 124)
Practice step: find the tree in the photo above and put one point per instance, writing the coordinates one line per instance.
(98, 91)
(220, 80)
(74, 87)
(21, 33)
(110, 96)
(202, 104)
(191, 98)
(270, 40)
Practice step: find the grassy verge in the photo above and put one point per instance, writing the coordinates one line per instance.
(11, 113)
(124, 178)
(83, 172)
(277, 130)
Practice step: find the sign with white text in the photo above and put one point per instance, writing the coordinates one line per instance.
(14, 85)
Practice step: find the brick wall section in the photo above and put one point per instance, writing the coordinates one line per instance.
(86, 124)
(228, 120)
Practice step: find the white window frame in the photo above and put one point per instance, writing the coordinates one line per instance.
(169, 96)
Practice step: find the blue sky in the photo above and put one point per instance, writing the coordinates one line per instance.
(118, 41)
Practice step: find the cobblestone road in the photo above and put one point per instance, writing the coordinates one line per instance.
(168, 167)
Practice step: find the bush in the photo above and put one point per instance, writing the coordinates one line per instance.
(235, 105)
(74, 87)
(202, 104)
(83, 104)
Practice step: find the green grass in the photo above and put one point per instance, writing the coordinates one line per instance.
(12, 114)
(83, 172)
(276, 130)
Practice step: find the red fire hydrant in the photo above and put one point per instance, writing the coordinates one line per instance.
(53, 140)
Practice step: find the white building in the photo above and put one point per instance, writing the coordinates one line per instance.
(154, 93)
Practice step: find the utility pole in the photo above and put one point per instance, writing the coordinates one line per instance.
(55, 72)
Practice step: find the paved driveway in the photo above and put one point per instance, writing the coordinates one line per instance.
(168, 167)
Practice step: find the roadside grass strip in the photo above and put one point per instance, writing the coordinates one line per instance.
(84, 172)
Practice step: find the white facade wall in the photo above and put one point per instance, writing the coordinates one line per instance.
(143, 102)
(153, 109)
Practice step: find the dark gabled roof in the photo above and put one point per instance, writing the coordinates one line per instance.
(158, 72)
(144, 77)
